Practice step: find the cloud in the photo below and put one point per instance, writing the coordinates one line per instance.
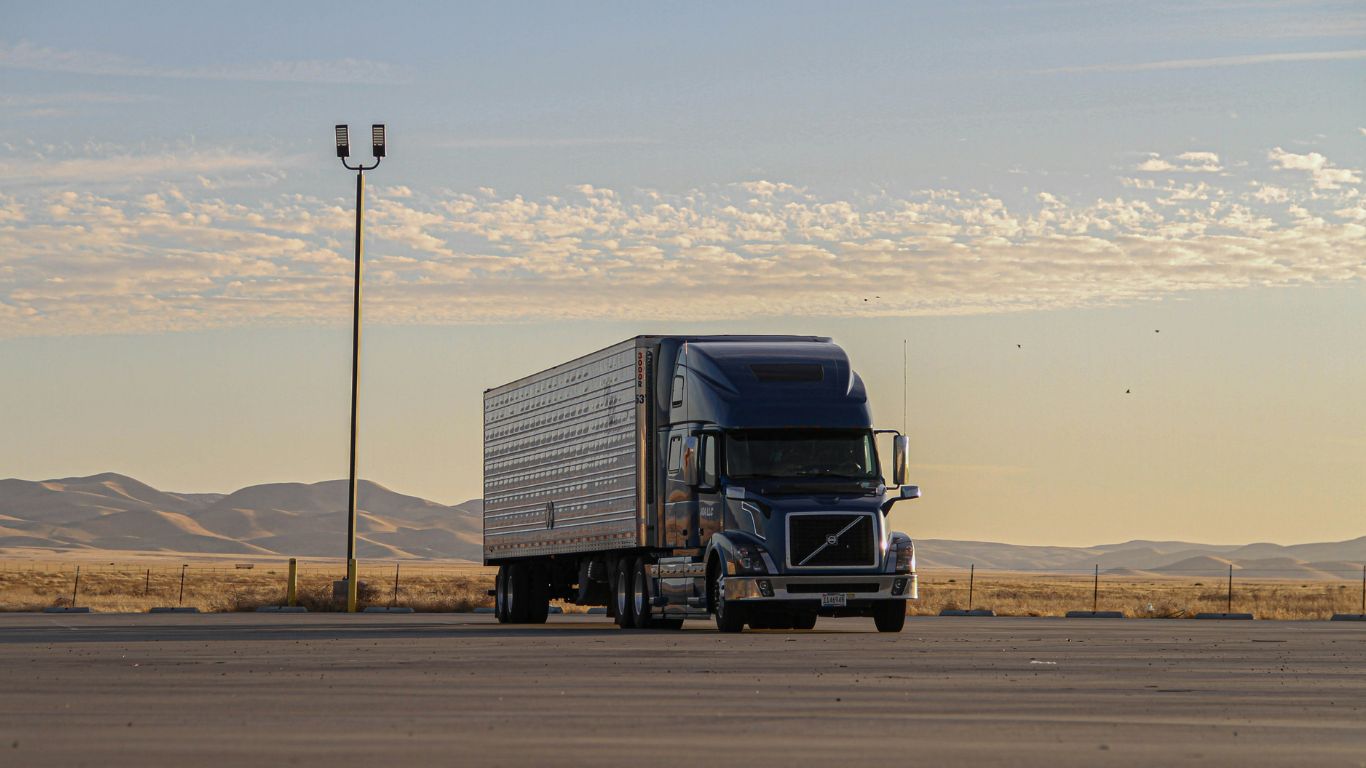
(74, 260)
(1324, 173)
(1189, 162)
(1205, 63)
(26, 55)
(543, 142)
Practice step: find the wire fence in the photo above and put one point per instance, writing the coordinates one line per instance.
(1265, 593)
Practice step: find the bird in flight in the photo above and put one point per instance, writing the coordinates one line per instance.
(1126, 391)
(1017, 346)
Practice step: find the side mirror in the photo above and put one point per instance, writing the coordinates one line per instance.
(901, 462)
(910, 491)
(690, 461)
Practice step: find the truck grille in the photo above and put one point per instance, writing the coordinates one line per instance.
(809, 542)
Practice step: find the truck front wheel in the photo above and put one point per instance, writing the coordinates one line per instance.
(890, 616)
(729, 616)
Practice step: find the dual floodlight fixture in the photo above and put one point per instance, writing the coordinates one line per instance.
(376, 143)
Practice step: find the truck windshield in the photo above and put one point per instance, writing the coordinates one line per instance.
(785, 453)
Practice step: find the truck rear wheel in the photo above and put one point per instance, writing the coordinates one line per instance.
(640, 596)
(622, 595)
(890, 616)
(518, 593)
(804, 620)
(538, 593)
(500, 595)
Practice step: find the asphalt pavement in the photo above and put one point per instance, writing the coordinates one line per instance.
(443, 689)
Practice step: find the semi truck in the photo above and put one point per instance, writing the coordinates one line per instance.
(680, 477)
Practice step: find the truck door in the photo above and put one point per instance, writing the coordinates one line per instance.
(711, 509)
(680, 500)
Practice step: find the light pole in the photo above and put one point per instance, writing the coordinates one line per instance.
(343, 152)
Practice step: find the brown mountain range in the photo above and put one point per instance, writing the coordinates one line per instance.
(111, 513)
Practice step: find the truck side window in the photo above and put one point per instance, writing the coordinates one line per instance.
(709, 460)
(677, 396)
(675, 455)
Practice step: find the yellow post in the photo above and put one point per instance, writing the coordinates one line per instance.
(292, 593)
(351, 585)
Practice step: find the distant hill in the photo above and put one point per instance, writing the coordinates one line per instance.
(111, 512)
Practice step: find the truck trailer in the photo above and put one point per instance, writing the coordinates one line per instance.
(676, 477)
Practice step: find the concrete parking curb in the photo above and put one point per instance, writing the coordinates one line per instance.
(173, 609)
(1095, 614)
(65, 609)
(281, 609)
(961, 612)
(1230, 616)
(1348, 617)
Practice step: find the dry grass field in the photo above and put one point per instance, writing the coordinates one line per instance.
(30, 585)
(1016, 594)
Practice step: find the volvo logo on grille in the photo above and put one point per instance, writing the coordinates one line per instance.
(832, 539)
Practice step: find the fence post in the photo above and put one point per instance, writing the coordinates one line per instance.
(393, 602)
(76, 587)
(1363, 589)
(292, 589)
(972, 572)
(1230, 588)
(147, 585)
(181, 600)
(1095, 591)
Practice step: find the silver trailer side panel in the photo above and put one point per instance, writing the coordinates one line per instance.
(564, 456)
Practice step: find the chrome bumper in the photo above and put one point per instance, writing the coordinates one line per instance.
(749, 588)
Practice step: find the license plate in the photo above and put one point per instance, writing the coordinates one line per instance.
(834, 600)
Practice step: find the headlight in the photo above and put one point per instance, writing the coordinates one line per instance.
(750, 558)
(905, 556)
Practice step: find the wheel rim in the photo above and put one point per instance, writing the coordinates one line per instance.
(510, 595)
(638, 596)
(622, 604)
(720, 596)
(500, 596)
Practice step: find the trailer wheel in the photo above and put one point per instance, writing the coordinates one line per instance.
(890, 616)
(804, 620)
(640, 596)
(622, 595)
(538, 593)
(500, 595)
(518, 593)
(729, 617)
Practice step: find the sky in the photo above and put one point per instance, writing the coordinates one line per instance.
(1123, 243)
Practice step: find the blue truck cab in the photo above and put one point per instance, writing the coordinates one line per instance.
(675, 477)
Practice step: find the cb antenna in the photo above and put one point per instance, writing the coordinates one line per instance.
(903, 386)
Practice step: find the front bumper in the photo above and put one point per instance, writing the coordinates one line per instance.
(857, 589)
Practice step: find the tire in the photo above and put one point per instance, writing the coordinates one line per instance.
(500, 591)
(804, 620)
(518, 593)
(621, 595)
(538, 594)
(640, 596)
(729, 618)
(890, 616)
